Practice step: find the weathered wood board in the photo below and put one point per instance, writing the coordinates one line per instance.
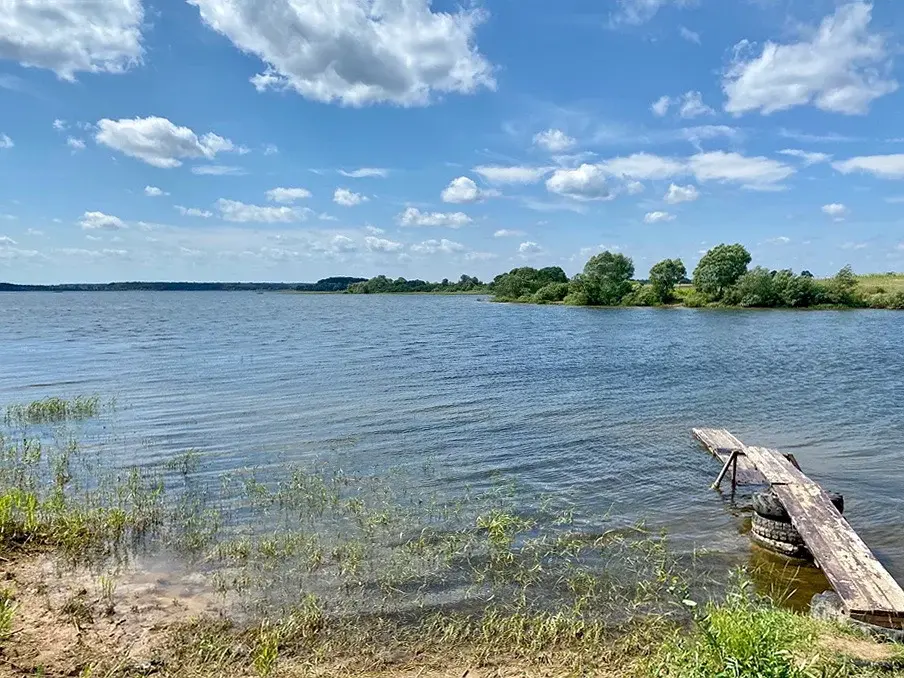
(869, 593)
(721, 443)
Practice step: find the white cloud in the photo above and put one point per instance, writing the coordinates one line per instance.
(661, 106)
(364, 172)
(341, 243)
(356, 52)
(5, 142)
(689, 35)
(59, 125)
(6, 240)
(464, 190)
(835, 210)
(692, 106)
(412, 216)
(839, 68)
(159, 142)
(678, 194)
(287, 195)
(640, 11)
(347, 198)
(780, 240)
(700, 133)
(517, 174)
(507, 233)
(480, 256)
(92, 254)
(323, 216)
(755, 172)
(808, 157)
(373, 230)
(193, 212)
(72, 37)
(437, 246)
(92, 221)
(271, 149)
(375, 244)
(154, 192)
(634, 187)
(882, 166)
(529, 247)
(587, 182)
(75, 144)
(554, 140)
(218, 170)
(643, 166)
(35, 232)
(233, 210)
(658, 217)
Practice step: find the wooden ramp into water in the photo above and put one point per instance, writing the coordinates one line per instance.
(867, 591)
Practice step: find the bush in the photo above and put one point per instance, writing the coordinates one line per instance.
(754, 288)
(891, 300)
(644, 295)
(695, 299)
(550, 293)
(720, 268)
(606, 279)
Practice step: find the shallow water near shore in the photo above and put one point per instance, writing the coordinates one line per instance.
(592, 408)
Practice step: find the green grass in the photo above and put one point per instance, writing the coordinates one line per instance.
(881, 283)
(53, 410)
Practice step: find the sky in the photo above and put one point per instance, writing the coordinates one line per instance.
(290, 140)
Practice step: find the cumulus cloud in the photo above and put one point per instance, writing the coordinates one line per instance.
(154, 192)
(271, 149)
(678, 194)
(6, 240)
(59, 125)
(356, 52)
(72, 37)
(661, 106)
(437, 246)
(808, 158)
(75, 143)
(507, 233)
(363, 172)
(5, 142)
(882, 166)
(586, 182)
(643, 166)
(412, 216)
(841, 67)
(287, 195)
(529, 247)
(92, 221)
(634, 187)
(658, 217)
(159, 142)
(193, 212)
(517, 174)
(835, 210)
(554, 140)
(756, 172)
(348, 198)
(464, 190)
(375, 244)
(233, 210)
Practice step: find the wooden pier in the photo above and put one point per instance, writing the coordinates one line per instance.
(867, 591)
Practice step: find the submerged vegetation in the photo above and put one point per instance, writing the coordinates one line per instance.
(319, 571)
(721, 279)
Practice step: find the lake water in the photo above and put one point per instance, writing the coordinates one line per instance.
(592, 407)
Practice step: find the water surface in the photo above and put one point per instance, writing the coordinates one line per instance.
(593, 407)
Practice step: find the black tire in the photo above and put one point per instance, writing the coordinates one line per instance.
(775, 530)
(782, 548)
(768, 505)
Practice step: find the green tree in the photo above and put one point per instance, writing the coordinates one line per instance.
(720, 268)
(607, 279)
(664, 276)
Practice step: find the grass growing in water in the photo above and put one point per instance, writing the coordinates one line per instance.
(53, 410)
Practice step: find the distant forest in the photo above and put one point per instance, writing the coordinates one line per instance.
(335, 284)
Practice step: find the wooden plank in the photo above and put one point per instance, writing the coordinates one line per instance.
(774, 466)
(721, 444)
(864, 585)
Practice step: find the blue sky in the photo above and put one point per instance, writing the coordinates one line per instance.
(296, 139)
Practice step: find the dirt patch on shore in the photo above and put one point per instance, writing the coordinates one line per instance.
(67, 618)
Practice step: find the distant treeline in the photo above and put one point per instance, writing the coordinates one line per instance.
(335, 284)
(383, 285)
(721, 278)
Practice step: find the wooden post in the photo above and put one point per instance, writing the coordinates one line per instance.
(734, 476)
(733, 459)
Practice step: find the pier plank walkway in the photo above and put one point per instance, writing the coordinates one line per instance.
(868, 592)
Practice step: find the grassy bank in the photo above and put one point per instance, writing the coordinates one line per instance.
(311, 570)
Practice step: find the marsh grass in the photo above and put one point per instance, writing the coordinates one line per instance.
(54, 410)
